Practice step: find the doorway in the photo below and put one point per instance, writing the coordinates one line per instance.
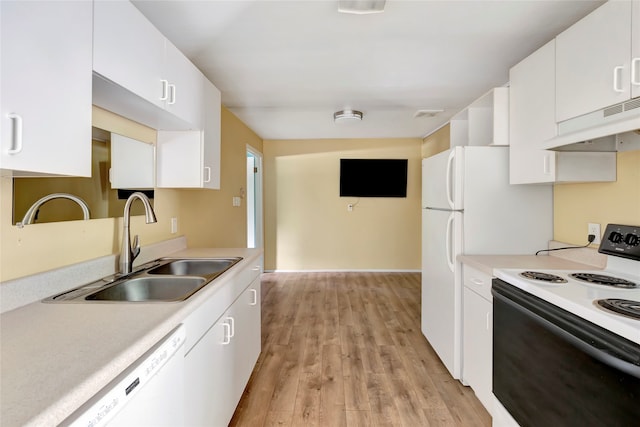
(254, 198)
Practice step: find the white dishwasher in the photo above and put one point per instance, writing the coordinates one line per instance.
(148, 393)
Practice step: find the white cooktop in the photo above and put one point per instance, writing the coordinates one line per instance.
(578, 297)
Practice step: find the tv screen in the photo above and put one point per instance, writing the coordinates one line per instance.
(373, 177)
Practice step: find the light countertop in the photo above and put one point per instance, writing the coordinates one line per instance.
(488, 263)
(55, 356)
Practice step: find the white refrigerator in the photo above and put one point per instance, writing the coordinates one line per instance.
(469, 207)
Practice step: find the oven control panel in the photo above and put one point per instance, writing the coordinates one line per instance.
(621, 240)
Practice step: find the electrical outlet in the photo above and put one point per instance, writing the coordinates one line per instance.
(174, 225)
(350, 207)
(595, 230)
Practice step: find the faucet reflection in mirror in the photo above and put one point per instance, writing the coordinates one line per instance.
(32, 213)
(128, 254)
(111, 157)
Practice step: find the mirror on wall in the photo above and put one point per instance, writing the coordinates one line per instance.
(119, 165)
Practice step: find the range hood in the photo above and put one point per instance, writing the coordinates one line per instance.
(596, 131)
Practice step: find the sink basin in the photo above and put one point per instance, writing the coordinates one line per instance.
(205, 267)
(162, 280)
(143, 289)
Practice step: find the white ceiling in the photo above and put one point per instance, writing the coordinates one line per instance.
(284, 67)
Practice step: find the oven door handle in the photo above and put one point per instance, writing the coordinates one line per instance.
(611, 358)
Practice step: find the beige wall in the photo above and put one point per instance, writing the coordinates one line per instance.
(307, 225)
(207, 217)
(41, 247)
(204, 216)
(576, 205)
(437, 142)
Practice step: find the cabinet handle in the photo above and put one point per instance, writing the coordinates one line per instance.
(254, 294)
(207, 169)
(16, 143)
(172, 94)
(165, 90)
(256, 268)
(232, 324)
(477, 282)
(635, 71)
(226, 333)
(488, 321)
(617, 73)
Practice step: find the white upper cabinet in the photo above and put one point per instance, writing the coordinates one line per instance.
(45, 121)
(184, 81)
(138, 68)
(128, 49)
(191, 159)
(594, 60)
(211, 136)
(484, 122)
(532, 123)
(532, 117)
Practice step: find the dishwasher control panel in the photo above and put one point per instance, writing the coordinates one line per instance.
(106, 404)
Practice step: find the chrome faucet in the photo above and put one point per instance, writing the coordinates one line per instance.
(30, 215)
(128, 254)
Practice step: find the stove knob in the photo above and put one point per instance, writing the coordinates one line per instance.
(632, 239)
(615, 237)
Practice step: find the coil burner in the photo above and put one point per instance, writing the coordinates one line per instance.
(623, 307)
(543, 277)
(601, 279)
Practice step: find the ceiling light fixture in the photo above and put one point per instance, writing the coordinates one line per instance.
(361, 7)
(347, 116)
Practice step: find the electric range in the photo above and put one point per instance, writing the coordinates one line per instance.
(609, 298)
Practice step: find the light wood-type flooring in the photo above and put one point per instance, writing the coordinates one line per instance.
(345, 349)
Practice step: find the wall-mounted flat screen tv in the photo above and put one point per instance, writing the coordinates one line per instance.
(373, 177)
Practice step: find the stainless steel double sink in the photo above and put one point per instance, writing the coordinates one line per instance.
(163, 280)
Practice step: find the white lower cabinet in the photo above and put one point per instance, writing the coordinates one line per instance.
(477, 363)
(220, 361)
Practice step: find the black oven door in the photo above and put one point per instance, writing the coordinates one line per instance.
(553, 368)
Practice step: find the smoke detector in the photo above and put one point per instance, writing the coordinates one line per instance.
(361, 7)
(344, 116)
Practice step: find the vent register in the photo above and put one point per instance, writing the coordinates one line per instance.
(622, 107)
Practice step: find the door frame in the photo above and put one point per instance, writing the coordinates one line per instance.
(255, 199)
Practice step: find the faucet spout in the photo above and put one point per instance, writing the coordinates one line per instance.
(30, 215)
(128, 253)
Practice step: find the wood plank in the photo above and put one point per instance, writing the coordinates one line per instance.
(307, 405)
(345, 349)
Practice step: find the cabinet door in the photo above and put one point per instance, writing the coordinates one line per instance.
(185, 81)
(532, 121)
(179, 159)
(46, 87)
(211, 136)
(129, 50)
(593, 61)
(246, 311)
(208, 377)
(132, 163)
(477, 343)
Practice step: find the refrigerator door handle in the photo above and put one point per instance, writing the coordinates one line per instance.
(449, 243)
(448, 178)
